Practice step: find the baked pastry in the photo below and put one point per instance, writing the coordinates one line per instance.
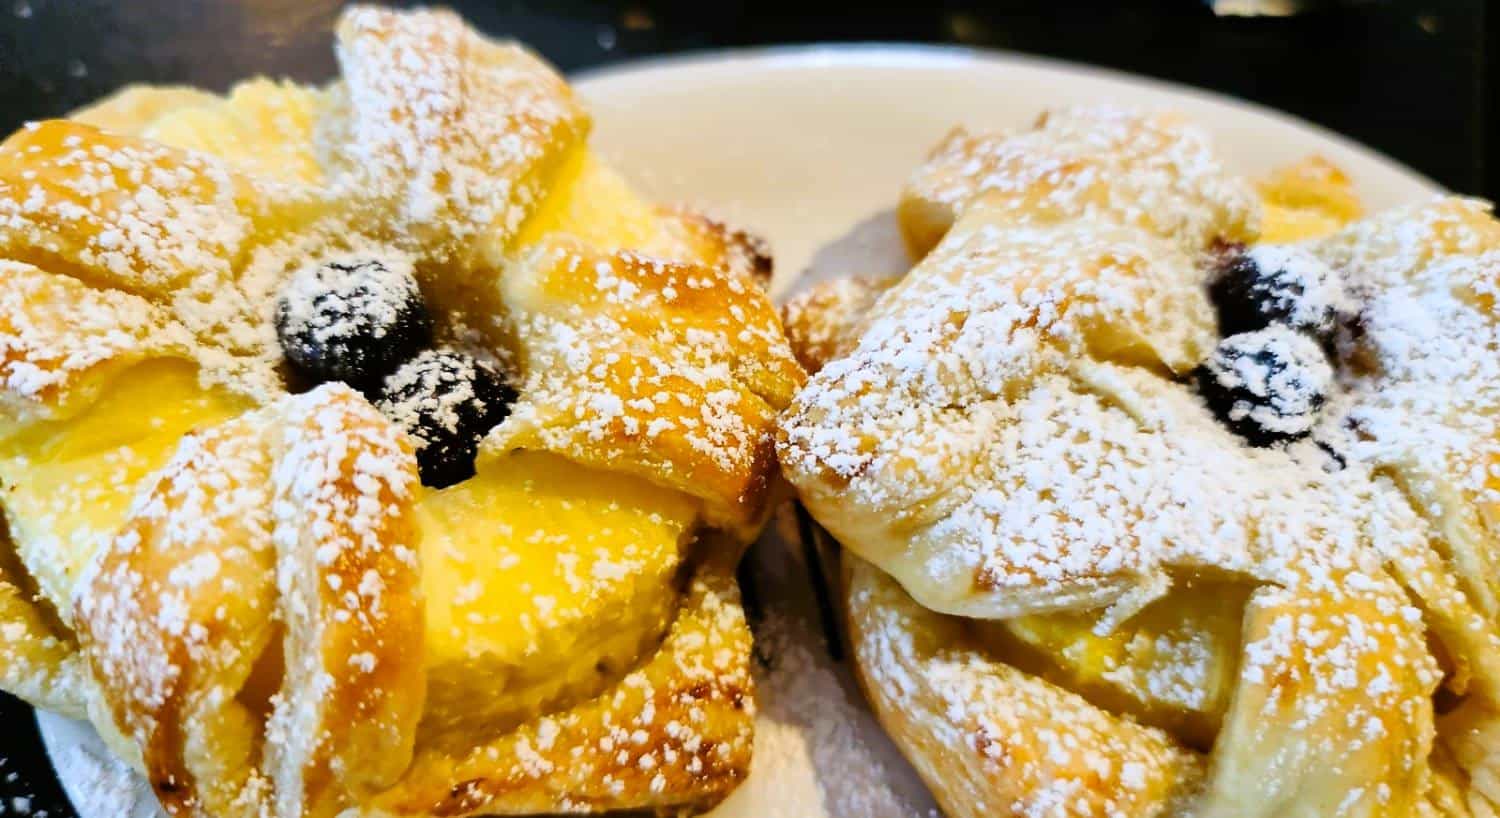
(373, 446)
(1102, 561)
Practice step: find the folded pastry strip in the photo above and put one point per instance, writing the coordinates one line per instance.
(673, 733)
(171, 227)
(1332, 713)
(448, 134)
(293, 520)
(121, 212)
(991, 740)
(1150, 171)
(71, 481)
(1423, 413)
(1427, 411)
(666, 369)
(42, 665)
(63, 339)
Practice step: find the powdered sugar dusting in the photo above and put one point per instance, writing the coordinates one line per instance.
(1148, 170)
(670, 367)
(54, 329)
(432, 389)
(1300, 286)
(292, 522)
(447, 127)
(1424, 381)
(1284, 370)
(1053, 468)
(992, 740)
(822, 322)
(342, 293)
(168, 226)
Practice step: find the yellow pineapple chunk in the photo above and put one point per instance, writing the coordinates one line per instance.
(591, 202)
(263, 127)
(1306, 200)
(69, 483)
(1165, 668)
(544, 581)
(132, 108)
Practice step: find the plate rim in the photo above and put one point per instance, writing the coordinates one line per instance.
(896, 54)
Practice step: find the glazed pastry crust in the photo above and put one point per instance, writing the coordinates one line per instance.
(823, 322)
(1151, 171)
(989, 739)
(1342, 634)
(673, 734)
(310, 520)
(252, 637)
(678, 376)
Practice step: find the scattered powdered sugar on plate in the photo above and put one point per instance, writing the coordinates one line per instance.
(99, 784)
(819, 752)
(816, 738)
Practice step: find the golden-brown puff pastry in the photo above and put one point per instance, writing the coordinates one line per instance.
(1050, 537)
(243, 585)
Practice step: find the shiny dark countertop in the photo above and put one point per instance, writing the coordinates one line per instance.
(1415, 80)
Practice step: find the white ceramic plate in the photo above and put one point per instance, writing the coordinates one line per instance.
(809, 147)
(804, 144)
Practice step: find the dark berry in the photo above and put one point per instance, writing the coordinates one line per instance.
(446, 401)
(351, 321)
(1266, 386)
(1277, 284)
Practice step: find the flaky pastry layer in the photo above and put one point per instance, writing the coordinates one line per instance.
(1035, 507)
(243, 618)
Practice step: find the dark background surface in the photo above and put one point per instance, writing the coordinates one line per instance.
(1416, 80)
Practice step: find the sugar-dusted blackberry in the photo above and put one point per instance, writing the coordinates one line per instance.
(1268, 385)
(1277, 284)
(446, 401)
(351, 320)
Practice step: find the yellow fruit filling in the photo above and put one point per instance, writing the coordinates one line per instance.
(1305, 200)
(69, 483)
(1165, 669)
(544, 580)
(591, 202)
(265, 127)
